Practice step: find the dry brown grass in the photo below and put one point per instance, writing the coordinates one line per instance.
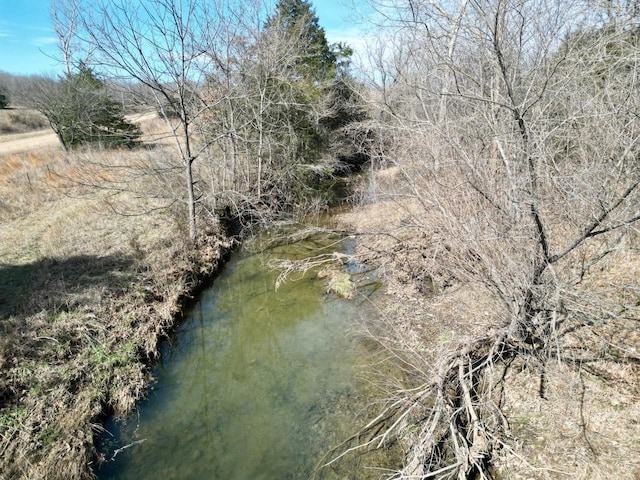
(584, 427)
(86, 294)
(21, 120)
(582, 424)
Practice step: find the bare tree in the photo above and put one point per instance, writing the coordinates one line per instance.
(65, 15)
(80, 111)
(267, 109)
(518, 135)
(159, 44)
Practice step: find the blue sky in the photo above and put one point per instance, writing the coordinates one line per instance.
(27, 40)
(26, 37)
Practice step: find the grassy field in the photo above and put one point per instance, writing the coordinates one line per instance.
(20, 120)
(90, 282)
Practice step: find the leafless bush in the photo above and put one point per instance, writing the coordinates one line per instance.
(515, 130)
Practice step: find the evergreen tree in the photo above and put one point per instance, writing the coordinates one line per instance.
(280, 107)
(318, 61)
(4, 100)
(89, 115)
(81, 112)
(317, 78)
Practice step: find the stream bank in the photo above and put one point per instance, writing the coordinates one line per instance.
(568, 416)
(84, 308)
(256, 382)
(86, 297)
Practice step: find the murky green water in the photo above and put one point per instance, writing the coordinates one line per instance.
(258, 383)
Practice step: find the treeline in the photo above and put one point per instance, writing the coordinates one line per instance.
(258, 103)
(10, 88)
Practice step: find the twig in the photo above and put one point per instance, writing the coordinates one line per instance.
(117, 451)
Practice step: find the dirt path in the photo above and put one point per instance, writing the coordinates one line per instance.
(24, 142)
(28, 141)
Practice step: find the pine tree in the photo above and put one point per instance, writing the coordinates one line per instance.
(316, 78)
(91, 116)
(277, 118)
(318, 60)
(81, 112)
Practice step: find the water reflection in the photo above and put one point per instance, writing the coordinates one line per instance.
(258, 383)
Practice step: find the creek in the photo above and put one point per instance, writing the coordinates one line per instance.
(256, 383)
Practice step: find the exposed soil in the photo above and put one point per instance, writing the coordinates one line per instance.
(25, 142)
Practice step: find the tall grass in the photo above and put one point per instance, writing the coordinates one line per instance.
(93, 269)
(21, 120)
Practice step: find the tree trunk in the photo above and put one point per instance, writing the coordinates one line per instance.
(191, 201)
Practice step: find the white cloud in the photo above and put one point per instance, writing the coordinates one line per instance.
(354, 37)
(44, 41)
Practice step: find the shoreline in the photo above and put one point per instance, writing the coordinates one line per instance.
(86, 298)
(123, 384)
(537, 412)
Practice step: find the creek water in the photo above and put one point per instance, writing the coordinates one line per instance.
(257, 383)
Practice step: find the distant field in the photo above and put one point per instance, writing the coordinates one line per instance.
(21, 120)
(24, 130)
